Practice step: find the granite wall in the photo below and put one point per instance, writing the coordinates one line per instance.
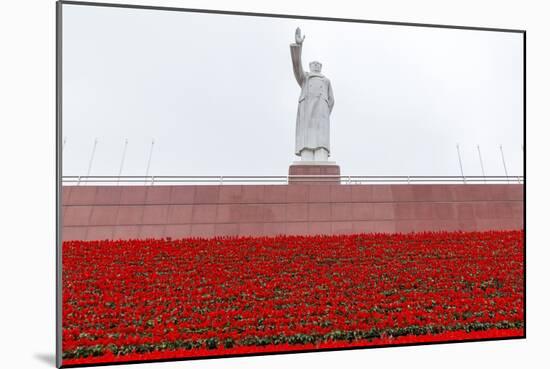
(106, 212)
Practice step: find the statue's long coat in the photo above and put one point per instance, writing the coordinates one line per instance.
(314, 106)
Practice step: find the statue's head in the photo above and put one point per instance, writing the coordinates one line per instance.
(315, 67)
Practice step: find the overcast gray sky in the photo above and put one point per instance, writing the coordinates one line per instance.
(218, 95)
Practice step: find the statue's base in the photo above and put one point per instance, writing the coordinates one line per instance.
(314, 172)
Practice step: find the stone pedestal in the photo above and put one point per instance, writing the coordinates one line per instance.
(314, 172)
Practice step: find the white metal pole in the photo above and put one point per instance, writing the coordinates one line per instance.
(91, 159)
(504, 163)
(149, 160)
(460, 163)
(122, 160)
(481, 163)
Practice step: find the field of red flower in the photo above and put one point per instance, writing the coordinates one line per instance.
(162, 298)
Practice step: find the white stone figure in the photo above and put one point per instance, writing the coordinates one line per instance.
(314, 107)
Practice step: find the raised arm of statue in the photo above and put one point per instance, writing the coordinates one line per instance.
(296, 55)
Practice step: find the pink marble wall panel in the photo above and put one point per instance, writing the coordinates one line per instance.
(296, 212)
(383, 211)
(405, 225)
(318, 212)
(340, 193)
(362, 194)
(422, 192)
(252, 194)
(402, 192)
(452, 192)
(496, 224)
(275, 194)
(74, 233)
(107, 195)
(274, 213)
(129, 214)
(341, 211)
(100, 233)
(251, 229)
(77, 215)
(151, 231)
(126, 232)
(207, 194)
(404, 210)
(132, 195)
(468, 224)
(202, 230)
(362, 211)
(274, 229)
(65, 194)
(497, 193)
(387, 226)
(341, 227)
(296, 228)
(317, 228)
(104, 215)
(179, 214)
(204, 213)
(250, 213)
(444, 210)
(182, 195)
(297, 193)
(155, 214)
(442, 193)
(477, 192)
(319, 193)
(381, 193)
(177, 230)
(228, 213)
(230, 194)
(514, 192)
(158, 195)
(518, 209)
(423, 210)
(98, 212)
(82, 195)
(227, 229)
(305, 170)
(465, 210)
(363, 227)
(312, 170)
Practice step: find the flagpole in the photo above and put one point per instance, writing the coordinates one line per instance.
(149, 160)
(122, 160)
(91, 159)
(504, 163)
(460, 162)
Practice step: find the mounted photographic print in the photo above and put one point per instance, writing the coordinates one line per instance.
(239, 184)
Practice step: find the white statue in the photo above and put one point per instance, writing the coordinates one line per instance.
(314, 107)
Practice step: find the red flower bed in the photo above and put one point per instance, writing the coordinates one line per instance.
(159, 299)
